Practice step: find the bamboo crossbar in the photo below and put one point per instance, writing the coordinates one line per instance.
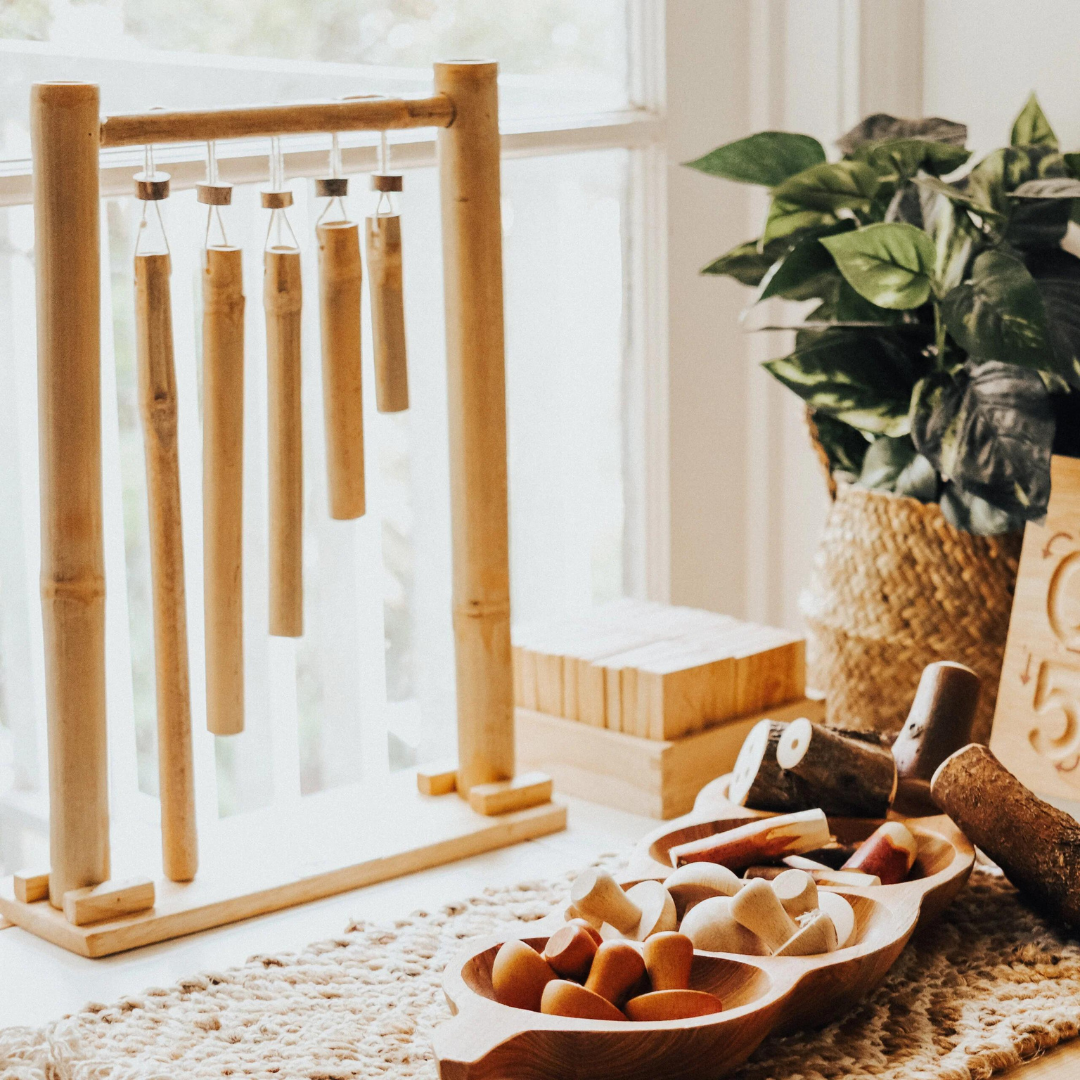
(361, 114)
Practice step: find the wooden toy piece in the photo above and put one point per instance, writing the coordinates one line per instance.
(888, 853)
(758, 908)
(503, 796)
(712, 927)
(816, 935)
(842, 914)
(694, 882)
(518, 976)
(340, 278)
(822, 875)
(64, 118)
(223, 487)
(1036, 845)
(796, 891)
(657, 910)
(938, 724)
(593, 931)
(758, 841)
(843, 776)
(564, 998)
(387, 312)
(616, 968)
(672, 1005)
(757, 781)
(597, 895)
(159, 415)
(31, 885)
(668, 957)
(439, 778)
(109, 900)
(570, 951)
(572, 914)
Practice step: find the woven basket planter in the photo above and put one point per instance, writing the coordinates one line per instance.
(894, 588)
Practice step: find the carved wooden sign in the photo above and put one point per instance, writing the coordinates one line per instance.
(1037, 720)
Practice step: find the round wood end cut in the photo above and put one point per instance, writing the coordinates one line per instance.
(214, 194)
(331, 187)
(275, 200)
(386, 182)
(151, 187)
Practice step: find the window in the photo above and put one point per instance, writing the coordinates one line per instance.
(369, 688)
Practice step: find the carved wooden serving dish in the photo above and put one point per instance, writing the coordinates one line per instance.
(489, 1041)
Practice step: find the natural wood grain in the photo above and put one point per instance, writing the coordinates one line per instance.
(502, 796)
(283, 300)
(158, 410)
(476, 388)
(757, 780)
(223, 487)
(340, 277)
(387, 290)
(439, 778)
(109, 900)
(30, 886)
(63, 127)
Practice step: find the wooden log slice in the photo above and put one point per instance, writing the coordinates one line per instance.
(757, 781)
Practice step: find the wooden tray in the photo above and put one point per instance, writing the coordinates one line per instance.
(761, 995)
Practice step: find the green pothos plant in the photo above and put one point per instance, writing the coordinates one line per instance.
(939, 351)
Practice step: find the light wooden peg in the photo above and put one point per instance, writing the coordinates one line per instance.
(30, 886)
(697, 881)
(816, 935)
(505, 796)
(657, 910)
(283, 298)
(158, 410)
(758, 908)
(615, 970)
(757, 841)
(597, 895)
(64, 128)
(437, 779)
(570, 951)
(340, 276)
(592, 931)
(797, 891)
(711, 926)
(109, 900)
(223, 487)
(573, 914)
(387, 312)
(519, 975)
(888, 853)
(842, 914)
(668, 958)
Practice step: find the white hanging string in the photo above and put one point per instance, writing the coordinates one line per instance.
(384, 168)
(146, 222)
(279, 221)
(213, 212)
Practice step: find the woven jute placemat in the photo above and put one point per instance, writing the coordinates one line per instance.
(985, 987)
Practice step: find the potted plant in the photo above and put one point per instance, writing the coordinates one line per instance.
(938, 351)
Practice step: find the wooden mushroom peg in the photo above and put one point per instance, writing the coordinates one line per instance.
(758, 841)
(758, 908)
(570, 951)
(842, 914)
(697, 881)
(816, 935)
(616, 968)
(519, 975)
(668, 960)
(597, 895)
(657, 910)
(797, 892)
(712, 927)
(888, 853)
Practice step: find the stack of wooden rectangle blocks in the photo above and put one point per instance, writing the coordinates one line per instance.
(639, 704)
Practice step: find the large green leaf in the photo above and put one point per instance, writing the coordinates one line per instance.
(954, 236)
(745, 263)
(786, 218)
(999, 314)
(1057, 275)
(881, 126)
(768, 158)
(861, 378)
(1057, 187)
(890, 264)
(1031, 127)
(838, 185)
(959, 196)
(894, 465)
(805, 272)
(969, 513)
(844, 446)
(900, 159)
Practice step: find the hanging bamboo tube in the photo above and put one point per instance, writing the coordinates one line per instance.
(223, 487)
(158, 408)
(340, 275)
(476, 384)
(387, 303)
(282, 298)
(64, 131)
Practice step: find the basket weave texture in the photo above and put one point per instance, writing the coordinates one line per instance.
(895, 587)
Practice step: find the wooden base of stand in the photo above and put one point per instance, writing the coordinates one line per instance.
(322, 845)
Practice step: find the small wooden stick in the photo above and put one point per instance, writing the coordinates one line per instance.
(657, 910)
(570, 951)
(816, 935)
(842, 914)
(283, 297)
(758, 908)
(843, 776)
(597, 895)
(797, 892)
(711, 926)
(109, 900)
(616, 967)
(822, 875)
(758, 841)
(519, 975)
(694, 882)
(387, 312)
(340, 275)
(668, 959)
(223, 487)
(1035, 844)
(888, 853)
(758, 781)
(672, 1005)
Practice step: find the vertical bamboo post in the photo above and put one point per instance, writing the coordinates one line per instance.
(65, 133)
(340, 277)
(387, 312)
(476, 385)
(223, 487)
(158, 408)
(282, 298)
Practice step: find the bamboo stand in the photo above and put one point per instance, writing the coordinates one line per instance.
(390, 829)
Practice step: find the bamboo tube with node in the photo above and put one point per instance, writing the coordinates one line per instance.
(223, 467)
(282, 299)
(64, 133)
(340, 278)
(158, 410)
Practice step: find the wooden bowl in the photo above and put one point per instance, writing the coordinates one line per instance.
(489, 1041)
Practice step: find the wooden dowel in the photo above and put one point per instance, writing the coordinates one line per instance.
(364, 114)
(64, 120)
(387, 312)
(158, 409)
(476, 386)
(223, 487)
(340, 277)
(282, 298)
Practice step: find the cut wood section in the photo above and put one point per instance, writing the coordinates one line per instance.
(340, 277)
(383, 831)
(30, 886)
(761, 840)
(437, 779)
(159, 412)
(469, 186)
(660, 778)
(223, 487)
(283, 299)
(63, 126)
(387, 290)
(502, 796)
(757, 781)
(109, 900)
